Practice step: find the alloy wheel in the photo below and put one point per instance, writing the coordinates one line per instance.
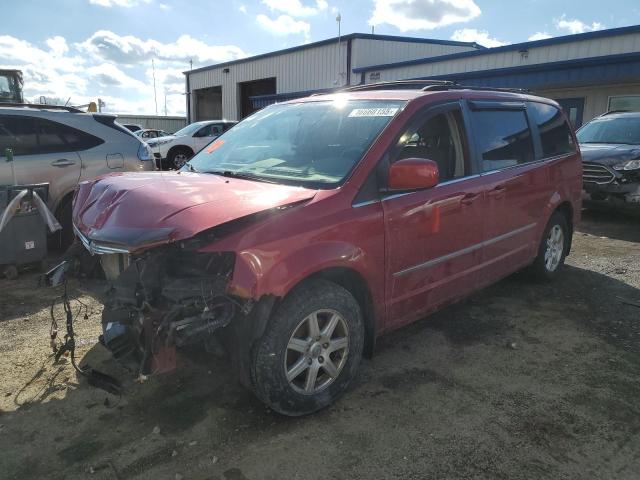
(555, 248)
(316, 352)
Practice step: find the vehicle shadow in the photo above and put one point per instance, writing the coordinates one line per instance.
(611, 224)
(203, 400)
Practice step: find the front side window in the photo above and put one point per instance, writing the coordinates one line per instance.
(314, 144)
(440, 138)
(503, 138)
(555, 134)
(611, 129)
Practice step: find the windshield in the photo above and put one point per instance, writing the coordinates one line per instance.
(315, 144)
(189, 129)
(625, 130)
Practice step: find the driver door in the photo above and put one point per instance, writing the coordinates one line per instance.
(433, 236)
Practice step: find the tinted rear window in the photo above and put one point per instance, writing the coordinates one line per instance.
(555, 133)
(503, 138)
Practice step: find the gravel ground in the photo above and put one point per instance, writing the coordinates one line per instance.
(522, 380)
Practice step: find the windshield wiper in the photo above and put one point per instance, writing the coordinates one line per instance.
(241, 175)
(191, 168)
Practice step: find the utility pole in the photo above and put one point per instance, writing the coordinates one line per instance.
(155, 93)
(339, 77)
(165, 101)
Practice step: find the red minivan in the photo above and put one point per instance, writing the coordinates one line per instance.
(312, 227)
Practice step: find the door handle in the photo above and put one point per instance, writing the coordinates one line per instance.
(63, 162)
(469, 198)
(497, 191)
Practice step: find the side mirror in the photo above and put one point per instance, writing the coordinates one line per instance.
(413, 173)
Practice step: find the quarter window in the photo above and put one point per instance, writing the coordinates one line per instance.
(555, 134)
(503, 138)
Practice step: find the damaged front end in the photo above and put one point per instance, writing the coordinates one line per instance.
(162, 299)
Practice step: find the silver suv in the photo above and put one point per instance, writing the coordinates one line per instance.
(63, 146)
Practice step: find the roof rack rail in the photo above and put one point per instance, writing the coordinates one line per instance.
(491, 89)
(42, 106)
(398, 84)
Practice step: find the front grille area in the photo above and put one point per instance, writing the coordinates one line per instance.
(594, 173)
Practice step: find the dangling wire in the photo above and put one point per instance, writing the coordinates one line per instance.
(94, 377)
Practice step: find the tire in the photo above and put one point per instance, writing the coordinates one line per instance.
(65, 218)
(10, 272)
(178, 157)
(290, 326)
(553, 248)
(62, 239)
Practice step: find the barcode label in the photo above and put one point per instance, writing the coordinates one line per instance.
(373, 112)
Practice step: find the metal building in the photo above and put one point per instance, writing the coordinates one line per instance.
(233, 90)
(587, 73)
(167, 123)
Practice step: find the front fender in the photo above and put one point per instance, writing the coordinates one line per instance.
(258, 273)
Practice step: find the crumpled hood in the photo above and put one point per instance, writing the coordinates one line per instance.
(144, 209)
(608, 154)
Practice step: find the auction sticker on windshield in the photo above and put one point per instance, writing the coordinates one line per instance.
(373, 112)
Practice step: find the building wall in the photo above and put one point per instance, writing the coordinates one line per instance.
(596, 98)
(309, 69)
(168, 124)
(313, 68)
(365, 52)
(627, 43)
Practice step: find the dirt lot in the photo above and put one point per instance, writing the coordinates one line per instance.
(522, 380)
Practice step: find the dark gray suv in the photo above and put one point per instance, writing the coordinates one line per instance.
(610, 146)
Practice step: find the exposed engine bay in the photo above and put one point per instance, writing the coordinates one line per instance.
(161, 300)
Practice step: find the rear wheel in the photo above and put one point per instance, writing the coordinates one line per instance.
(178, 157)
(310, 351)
(553, 248)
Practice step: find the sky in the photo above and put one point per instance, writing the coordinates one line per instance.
(83, 50)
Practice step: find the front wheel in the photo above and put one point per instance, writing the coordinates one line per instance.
(553, 248)
(310, 351)
(178, 157)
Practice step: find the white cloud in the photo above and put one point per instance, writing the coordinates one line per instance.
(243, 9)
(108, 75)
(164, 6)
(118, 3)
(107, 66)
(284, 25)
(128, 49)
(576, 26)
(479, 36)
(295, 8)
(408, 15)
(539, 36)
(58, 45)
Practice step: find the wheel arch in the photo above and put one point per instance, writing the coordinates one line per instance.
(566, 209)
(179, 147)
(352, 281)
